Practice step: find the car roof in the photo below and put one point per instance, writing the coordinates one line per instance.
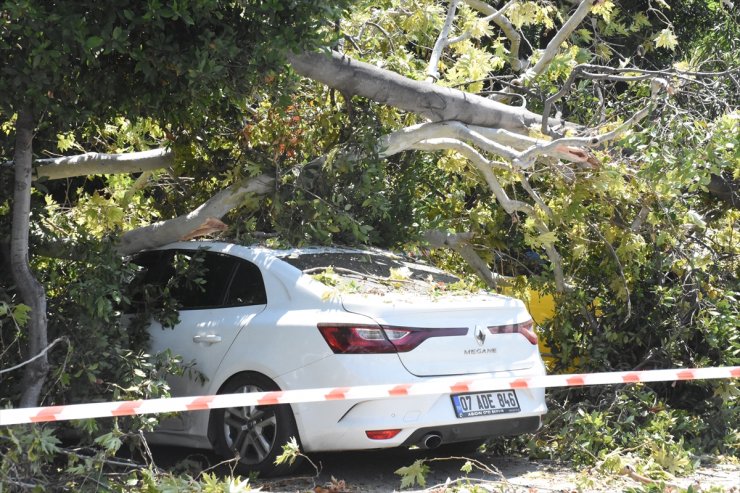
(275, 252)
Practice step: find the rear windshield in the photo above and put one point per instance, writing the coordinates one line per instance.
(367, 269)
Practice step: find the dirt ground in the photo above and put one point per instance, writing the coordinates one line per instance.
(374, 472)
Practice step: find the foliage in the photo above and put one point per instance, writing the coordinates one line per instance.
(34, 460)
(657, 292)
(111, 77)
(84, 59)
(648, 238)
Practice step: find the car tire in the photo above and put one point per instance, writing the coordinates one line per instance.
(253, 434)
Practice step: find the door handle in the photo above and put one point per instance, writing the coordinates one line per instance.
(207, 338)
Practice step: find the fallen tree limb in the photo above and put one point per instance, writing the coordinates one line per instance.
(431, 101)
(460, 243)
(181, 227)
(443, 40)
(553, 47)
(508, 145)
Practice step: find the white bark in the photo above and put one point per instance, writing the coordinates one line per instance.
(460, 243)
(553, 47)
(408, 137)
(519, 149)
(94, 163)
(428, 100)
(511, 206)
(181, 227)
(442, 43)
(30, 291)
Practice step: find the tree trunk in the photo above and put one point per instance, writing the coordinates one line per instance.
(30, 290)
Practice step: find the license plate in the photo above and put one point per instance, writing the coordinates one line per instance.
(485, 403)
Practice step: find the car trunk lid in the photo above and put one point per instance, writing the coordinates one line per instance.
(461, 334)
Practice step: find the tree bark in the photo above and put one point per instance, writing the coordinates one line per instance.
(181, 227)
(460, 243)
(95, 163)
(30, 290)
(431, 101)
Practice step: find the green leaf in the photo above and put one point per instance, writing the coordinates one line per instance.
(291, 451)
(548, 238)
(110, 442)
(48, 443)
(666, 39)
(21, 314)
(65, 141)
(604, 9)
(413, 474)
(93, 42)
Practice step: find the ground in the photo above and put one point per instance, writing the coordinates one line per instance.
(374, 472)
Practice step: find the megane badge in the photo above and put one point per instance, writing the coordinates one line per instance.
(480, 335)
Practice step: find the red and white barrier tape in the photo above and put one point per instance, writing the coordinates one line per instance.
(436, 386)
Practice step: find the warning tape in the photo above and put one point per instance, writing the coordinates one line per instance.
(431, 387)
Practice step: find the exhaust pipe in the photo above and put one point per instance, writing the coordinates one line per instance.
(431, 441)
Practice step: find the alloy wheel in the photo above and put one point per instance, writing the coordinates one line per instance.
(250, 431)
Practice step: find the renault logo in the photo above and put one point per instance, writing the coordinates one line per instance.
(480, 335)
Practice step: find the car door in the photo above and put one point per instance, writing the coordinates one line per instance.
(215, 305)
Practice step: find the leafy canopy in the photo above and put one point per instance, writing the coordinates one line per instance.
(174, 61)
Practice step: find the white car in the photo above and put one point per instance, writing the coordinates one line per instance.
(333, 317)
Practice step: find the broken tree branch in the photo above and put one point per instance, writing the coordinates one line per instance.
(39, 355)
(460, 243)
(527, 158)
(431, 101)
(496, 141)
(171, 230)
(408, 137)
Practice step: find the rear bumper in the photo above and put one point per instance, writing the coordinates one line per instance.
(464, 432)
(341, 425)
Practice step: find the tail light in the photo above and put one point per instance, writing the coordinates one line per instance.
(525, 328)
(363, 339)
(382, 434)
(356, 339)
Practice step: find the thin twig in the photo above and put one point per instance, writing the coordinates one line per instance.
(42, 353)
(111, 462)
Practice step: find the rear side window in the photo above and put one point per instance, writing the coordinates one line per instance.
(199, 279)
(206, 284)
(247, 286)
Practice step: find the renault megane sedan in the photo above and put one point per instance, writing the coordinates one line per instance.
(262, 320)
